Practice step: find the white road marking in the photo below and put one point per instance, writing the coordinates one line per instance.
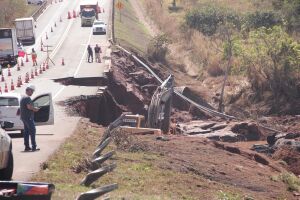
(83, 55)
(58, 92)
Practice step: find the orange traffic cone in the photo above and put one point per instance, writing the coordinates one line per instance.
(5, 87)
(74, 14)
(27, 78)
(60, 19)
(21, 80)
(12, 86)
(42, 48)
(54, 24)
(43, 67)
(0, 90)
(62, 62)
(41, 70)
(22, 63)
(46, 36)
(2, 78)
(51, 29)
(36, 72)
(27, 60)
(47, 66)
(69, 15)
(18, 67)
(18, 82)
(32, 75)
(8, 72)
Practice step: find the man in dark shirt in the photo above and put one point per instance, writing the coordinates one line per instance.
(97, 53)
(90, 53)
(27, 116)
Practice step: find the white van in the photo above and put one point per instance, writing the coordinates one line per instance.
(10, 110)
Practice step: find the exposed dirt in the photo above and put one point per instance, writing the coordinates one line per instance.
(245, 172)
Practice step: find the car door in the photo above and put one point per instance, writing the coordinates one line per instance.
(45, 115)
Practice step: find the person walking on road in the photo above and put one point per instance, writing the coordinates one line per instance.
(27, 116)
(97, 53)
(34, 57)
(90, 53)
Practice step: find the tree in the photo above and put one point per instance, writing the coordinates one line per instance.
(271, 59)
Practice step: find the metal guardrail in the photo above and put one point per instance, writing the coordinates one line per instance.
(37, 13)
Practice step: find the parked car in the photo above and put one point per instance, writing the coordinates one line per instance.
(10, 110)
(99, 27)
(37, 2)
(6, 156)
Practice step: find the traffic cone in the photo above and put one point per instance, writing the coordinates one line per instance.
(5, 87)
(27, 60)
(32, 75)
(2, 78)
(60, 19)
(36, 72)
(18, 67)
(103, 10)
(18, 82)
(47, 66)
(42, 42)
(62, 62)
(74, 14)
(21, 80)
(26, 78)
(44, 67)
(51, 29)
(46, 36)
(69, 15)
(41, 70)
(12, 86)
(8, 72)
(54, 24)
(0, 90)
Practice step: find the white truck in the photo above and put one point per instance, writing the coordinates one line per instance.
(89, 10)
(8, 46)
(25, 30)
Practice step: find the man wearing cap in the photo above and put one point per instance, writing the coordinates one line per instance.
(27, 116)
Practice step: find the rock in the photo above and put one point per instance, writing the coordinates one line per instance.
(250, 131)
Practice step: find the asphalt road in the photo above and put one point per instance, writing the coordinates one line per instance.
(69, 41)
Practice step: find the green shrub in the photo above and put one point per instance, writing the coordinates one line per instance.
(293, 183)
(261, 19)
(158, 48)
(208, 19)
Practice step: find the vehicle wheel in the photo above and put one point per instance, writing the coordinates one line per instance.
(6, 173)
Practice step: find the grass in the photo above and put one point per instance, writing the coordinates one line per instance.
(129, 31)
(228, 196)
(139, 175)
(292, 181)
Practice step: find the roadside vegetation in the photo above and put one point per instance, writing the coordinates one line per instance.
(12, 9)
(129, 31)
(254, 40)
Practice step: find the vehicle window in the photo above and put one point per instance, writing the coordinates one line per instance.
(99, 23)
(88, 13)
(42, 101)
(9, 101)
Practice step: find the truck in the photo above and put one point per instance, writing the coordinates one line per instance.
(25, 30)
(89, 10)
(8, 46)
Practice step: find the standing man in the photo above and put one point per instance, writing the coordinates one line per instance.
(90, 53)
(27, 116)
(34, 57)
(97, 53)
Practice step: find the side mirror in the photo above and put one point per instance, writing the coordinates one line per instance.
(6, 124)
